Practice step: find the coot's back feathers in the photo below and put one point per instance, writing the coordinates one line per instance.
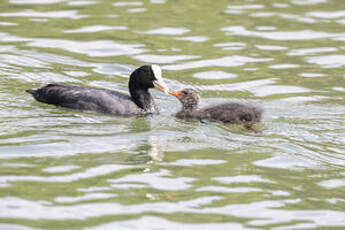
(107, 101)
(98, 100)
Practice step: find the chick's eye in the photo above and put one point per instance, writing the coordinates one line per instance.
(185, 93)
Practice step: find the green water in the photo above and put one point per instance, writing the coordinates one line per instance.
(66, 169)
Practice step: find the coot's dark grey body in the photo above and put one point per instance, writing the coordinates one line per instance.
(93, 99)
(107, 101)
(234, 113)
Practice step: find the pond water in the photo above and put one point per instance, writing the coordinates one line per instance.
(66, 169)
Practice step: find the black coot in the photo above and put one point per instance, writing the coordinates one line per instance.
(140, 101)
(234, 113)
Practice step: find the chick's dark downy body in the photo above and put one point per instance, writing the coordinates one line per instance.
(139, 102)
(233, 113)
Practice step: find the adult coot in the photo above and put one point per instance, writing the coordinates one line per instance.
(234, 113)
(140, 101)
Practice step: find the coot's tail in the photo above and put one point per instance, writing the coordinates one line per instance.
(31, 91)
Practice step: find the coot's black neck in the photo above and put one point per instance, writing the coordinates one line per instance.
(142, 98)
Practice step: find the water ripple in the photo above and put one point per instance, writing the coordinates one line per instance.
(328, 61)
(214, 75)
(81, 3)
(72, 14)
(90, 48)
(242, 179)
(219, 62)
(83, 170)
(95, 28)
(168, 31)
(160, 59)
(129, 3)
(89, 173)
(157, 180)
(307, 2)
(228, 190)
(153, 222)
(311, 51)
(327, 15)
(23, 2)
(281, 36)
(86, 197)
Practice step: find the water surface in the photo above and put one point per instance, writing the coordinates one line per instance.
(66, 169)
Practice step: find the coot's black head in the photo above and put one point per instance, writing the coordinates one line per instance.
(188, 97)
(145, 77)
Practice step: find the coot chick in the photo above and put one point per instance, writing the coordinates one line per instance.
(140, 101)
(234, 113)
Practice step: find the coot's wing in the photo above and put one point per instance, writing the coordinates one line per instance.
(82, 98)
